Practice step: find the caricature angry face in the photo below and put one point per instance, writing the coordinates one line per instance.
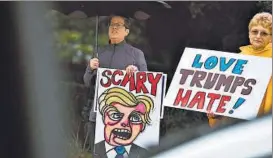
(124, 115)
(123, 124)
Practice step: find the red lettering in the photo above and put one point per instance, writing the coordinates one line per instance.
(198, 99)
(154, 81)
(129, 78)
(220, 108)
(136, 81)
(117, 72)
(182, 100)
(104, 74)
(141, 79)
(212, 97)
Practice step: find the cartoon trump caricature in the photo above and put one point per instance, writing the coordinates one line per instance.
(125, 117)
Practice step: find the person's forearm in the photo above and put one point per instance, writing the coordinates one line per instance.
(88, 75)
(214, 121)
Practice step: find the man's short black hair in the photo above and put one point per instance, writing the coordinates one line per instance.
(127, 21)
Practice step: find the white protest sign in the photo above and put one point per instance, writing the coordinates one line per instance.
(227, 84)
(128, 109)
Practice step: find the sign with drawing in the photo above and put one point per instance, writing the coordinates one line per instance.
(227, 84)
(128, 110)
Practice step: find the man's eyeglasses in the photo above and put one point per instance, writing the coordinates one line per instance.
(262, 33)
(117, 25)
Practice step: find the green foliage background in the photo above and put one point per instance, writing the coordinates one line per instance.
(75, 37)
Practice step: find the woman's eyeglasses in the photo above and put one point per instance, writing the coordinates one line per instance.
(262, 33)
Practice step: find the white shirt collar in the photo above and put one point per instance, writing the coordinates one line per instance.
(109, 147)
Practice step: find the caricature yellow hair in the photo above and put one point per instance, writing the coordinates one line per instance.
(264, 19)
(123, 97)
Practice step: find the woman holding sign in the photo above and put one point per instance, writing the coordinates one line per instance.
(260, 38)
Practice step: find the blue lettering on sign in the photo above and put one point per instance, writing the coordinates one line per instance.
(212, 61)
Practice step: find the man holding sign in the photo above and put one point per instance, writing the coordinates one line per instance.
(260, 36)
(117, 55)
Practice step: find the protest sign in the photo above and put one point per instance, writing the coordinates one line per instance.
(227, 84)
(128, 111)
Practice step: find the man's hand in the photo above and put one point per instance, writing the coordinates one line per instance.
(94, 63)
(131, 69)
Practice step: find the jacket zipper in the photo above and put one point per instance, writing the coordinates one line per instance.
(110, 66)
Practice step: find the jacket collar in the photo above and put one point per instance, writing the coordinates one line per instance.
(249, 49)
(118, 44)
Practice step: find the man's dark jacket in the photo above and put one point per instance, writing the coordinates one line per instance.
(117, 56)
(114, 56)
